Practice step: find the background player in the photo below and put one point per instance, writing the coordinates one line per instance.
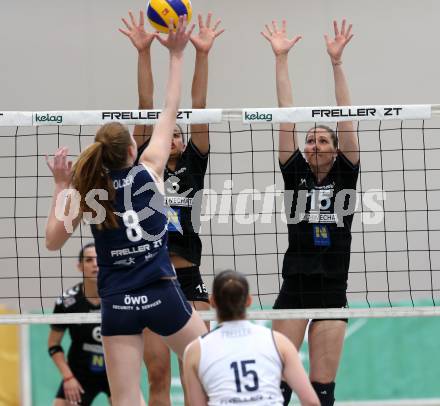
(136, 281)
(184, 175)
(315, 267)
(241, 362)
(83, 372)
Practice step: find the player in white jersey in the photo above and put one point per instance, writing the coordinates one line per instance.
(240, 362)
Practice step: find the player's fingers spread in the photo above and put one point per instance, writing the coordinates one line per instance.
(159, 38)
(296, 39)
(191, 29)
(265, 35)
(343, 26)
(133, 21)
(217, 23)
(269, 31)
(208, 20)
(170, 28)
(219, 32)
(348, 34)
(200, 20)
(125, 32)
(185, 23)
(181, 25)
(126, 23)
(56, 160)
(335, 27)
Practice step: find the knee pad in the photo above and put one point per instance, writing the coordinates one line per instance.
(325, 392)
(286, 392)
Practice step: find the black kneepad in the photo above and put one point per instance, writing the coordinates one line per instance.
(325, 392)
(286, 392)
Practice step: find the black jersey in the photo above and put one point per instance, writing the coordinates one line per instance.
(181, 185)
(319, 240)
(85, 353)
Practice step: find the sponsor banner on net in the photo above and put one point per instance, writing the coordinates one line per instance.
(128, 117)
(15, 118)
(48, 118)
(338, 113)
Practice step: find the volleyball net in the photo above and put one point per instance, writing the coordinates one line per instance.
(395, 251)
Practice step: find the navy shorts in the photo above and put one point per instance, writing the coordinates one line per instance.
(160, 306)
(314, 291)
(93, 385)
(192, 284)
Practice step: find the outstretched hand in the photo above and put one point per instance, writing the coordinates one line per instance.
(60, 167)
(178, 37)
(136, 32)
(281, 44)
(336, 45)
(206, 36)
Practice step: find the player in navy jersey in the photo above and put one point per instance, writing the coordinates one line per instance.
(184, 175)
(240, 362)
(83, 372)
(137, 282)
(320, 188)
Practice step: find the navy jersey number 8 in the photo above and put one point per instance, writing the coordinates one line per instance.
(131, 221)
(245, 372)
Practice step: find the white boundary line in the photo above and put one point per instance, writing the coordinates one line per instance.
(422, 311)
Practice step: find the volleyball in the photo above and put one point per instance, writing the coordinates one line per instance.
(160, 12)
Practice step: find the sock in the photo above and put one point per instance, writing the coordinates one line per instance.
(325, 392)
(286, 392)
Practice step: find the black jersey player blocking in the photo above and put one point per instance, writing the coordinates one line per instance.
(320, 193)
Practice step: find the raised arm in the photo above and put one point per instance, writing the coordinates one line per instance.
(348, 141)
(294, 373)
(141, 40)
(202, 42)
(281, 45)
(158, 151)
(58, 231)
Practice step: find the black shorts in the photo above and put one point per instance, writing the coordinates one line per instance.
(192, 284)
(160, 306)
(93, 385)
(314, 291)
